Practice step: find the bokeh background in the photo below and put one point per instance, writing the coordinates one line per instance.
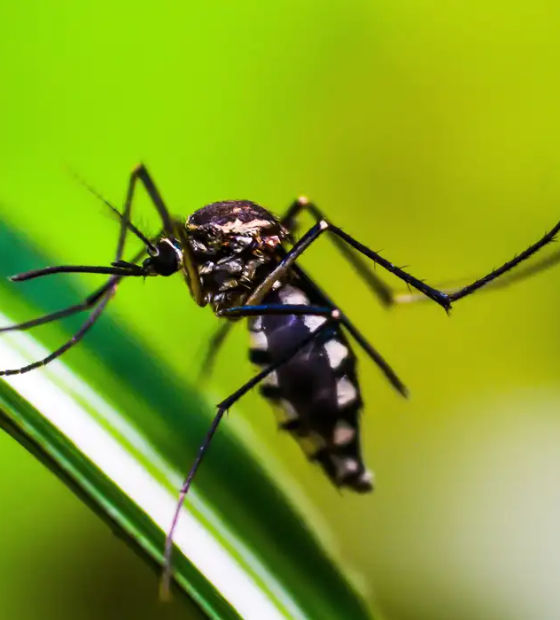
(430, 130)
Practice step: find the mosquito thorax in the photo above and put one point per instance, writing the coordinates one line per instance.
(234, 244)
(165, 260)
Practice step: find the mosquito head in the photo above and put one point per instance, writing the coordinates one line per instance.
(165, 258)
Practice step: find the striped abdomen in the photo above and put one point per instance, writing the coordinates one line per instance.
(317, 390)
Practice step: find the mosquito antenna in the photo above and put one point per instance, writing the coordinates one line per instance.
(133, 229)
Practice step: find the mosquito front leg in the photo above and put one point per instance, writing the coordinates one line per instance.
(99, 299)
(311, 236)
(140, 173)
(380, 289)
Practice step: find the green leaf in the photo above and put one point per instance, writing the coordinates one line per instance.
(120, 430)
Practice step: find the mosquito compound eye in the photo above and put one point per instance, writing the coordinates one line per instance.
(164, 261)
(168, 259)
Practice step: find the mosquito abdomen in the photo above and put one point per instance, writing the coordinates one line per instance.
(316, 393)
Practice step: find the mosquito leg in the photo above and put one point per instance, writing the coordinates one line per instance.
(77, 337)
(504, 282)
(221, 334)
(284, 266)
(444, 298)
(129, 270)
(140, 173)
(511, 264)
(329, 311)
(439, 296)
(522, 274)
(312, 235)
(99, 299)
(89, 302)
(171, 227)
(216, 341)
(382, 291)
(374, 355)
(221, 409)
(278, 309)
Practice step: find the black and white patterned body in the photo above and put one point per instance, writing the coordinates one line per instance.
(236, 245)
(317, 392)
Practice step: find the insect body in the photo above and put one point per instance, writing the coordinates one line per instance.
(242, 261)
(235, 246)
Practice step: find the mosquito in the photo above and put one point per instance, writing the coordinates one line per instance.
(241, 260)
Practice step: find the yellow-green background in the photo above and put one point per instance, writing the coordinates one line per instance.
(430, 130)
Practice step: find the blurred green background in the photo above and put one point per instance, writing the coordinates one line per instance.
(428, 129)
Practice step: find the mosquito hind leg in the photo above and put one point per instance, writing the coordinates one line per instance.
(140, 173)
(382, 291)
(222, 408)
(365, 345)
(214, 346)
